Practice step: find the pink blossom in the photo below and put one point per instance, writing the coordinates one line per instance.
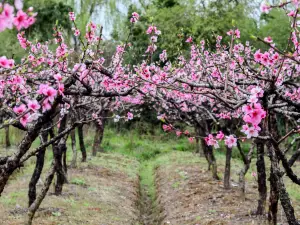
(21, 20)
(189, 40)
(220, 135)
(258, 56)
(191, 139)
(6, 17)
(135, 17)
(230, 141)
(265, 8)
(268, 39)
(61, 89)
(46, 105)
(129, 116)
(245, 128)
(252, 99)
(20, 109)
(76, 33)
(166, 127)
(230, 33)
(6, 63)
(251, 132)
(211, 141)
(292, 13)
(178, 133)
(72, 16)
(237, 33)
(24, 119)
(48, 91)
(58, 77)
(33, 105)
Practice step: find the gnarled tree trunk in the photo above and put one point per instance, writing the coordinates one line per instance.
(99, 132)
(261, 179)
(247, 160)
(39, 165)
(58, 151)
(74, 149)
(227, 168)
(36, 204)
(81, 142)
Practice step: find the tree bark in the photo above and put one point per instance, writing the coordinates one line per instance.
(74, 149)
(261, 179)
(199, 149)
(98, 138)
(247, 160)
(13, 162)
(81, 142)
(59, 149)
(39, 165)
(227, 168)
(277, 176)
(36, 204)
(210, 157)
(7, 137)
(274, 189)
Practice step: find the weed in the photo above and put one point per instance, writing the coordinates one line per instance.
(78, 181)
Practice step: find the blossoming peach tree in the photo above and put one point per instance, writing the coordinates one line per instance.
(231, 94)
(49, 89)
(247, 87)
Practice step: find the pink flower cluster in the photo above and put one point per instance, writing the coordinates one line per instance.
(236, 33)
(21, 20)
(72, 16)
(211, 141)
(135, 17)
(6, 63)
(266, 58)
(265, 8)
(129, 116)
(230, 141)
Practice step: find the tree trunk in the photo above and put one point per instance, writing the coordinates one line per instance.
(13, 162)
(274, 196)
(39, 165)
(65, 166)
(261, 179)
(212, 162)
(81, 142)
(7, 137)
(247, 161)
(227, 168)
(98, 138)
(283, 195)
(199, 146)
(58, 151)
(36, 204)
(74, 149)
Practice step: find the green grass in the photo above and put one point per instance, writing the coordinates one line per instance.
(137, 150)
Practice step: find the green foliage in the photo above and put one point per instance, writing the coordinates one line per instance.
(275, 24)
(49, 14)
(78, 181)
(180, 19)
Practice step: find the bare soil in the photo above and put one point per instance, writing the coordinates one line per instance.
(189, 196)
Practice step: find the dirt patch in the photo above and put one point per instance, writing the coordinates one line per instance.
(95, 195)
(189, 196)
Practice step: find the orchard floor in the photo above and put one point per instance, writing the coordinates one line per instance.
(102, 191)
(112, 189)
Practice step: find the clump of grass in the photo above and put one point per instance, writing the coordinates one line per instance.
(78, 181)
